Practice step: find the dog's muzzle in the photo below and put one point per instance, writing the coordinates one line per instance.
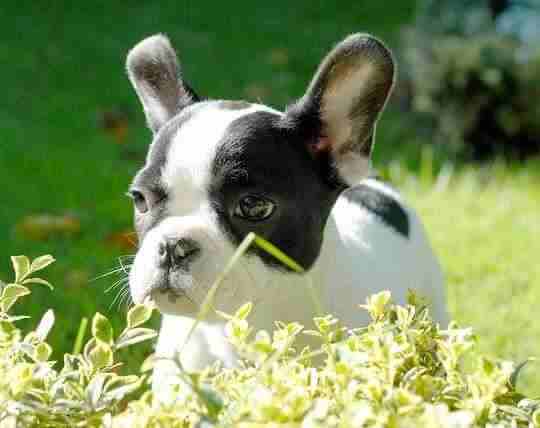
(177, 253)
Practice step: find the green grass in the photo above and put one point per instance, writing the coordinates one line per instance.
(63, 64)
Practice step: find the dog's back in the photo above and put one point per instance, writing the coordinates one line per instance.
(374, 241)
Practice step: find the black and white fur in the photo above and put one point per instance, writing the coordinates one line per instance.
(217, 170)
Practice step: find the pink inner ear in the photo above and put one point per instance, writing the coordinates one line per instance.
(323, 144)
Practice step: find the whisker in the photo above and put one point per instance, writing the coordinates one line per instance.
(124, 267)
(124, 299)
(121, 299)
(121, 281)
(120, 292)
(111, 272)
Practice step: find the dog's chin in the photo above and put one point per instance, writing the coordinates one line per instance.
(156, 288)
(170, 303)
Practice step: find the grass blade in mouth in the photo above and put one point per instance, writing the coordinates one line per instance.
(209, 298)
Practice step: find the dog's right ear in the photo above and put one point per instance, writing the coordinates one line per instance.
(154, 72)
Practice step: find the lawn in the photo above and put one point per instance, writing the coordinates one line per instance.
(63, 70)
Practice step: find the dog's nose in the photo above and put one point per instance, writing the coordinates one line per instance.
(177, 252)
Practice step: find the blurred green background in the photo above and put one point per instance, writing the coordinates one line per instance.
(72, 135)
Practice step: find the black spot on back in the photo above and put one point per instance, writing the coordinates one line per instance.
(383, 206)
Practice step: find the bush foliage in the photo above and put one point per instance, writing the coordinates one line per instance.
(402, 370)
(474, 79)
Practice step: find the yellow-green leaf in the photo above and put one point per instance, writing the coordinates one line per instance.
(7, 303)
(101, 356)
(6, 327)
(10, 294)
(244, 311)
(42, 352)
(134, 335)
(41, 262)
(14, 291)
(102, 328)
(21, 266)
(148, 363)
(38, 281)
(138, 315)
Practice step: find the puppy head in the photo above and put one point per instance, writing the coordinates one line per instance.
(217, 170)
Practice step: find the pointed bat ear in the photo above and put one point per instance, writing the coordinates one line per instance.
(154, 72)
(344, 101)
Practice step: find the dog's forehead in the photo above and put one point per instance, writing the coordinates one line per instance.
(184, 150)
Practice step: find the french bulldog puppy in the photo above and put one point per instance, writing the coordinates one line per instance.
(217, 170)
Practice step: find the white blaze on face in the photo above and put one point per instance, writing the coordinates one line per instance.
(186, 177)
(187, 172)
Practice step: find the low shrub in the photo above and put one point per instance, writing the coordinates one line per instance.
(401, 370)
(473, 79)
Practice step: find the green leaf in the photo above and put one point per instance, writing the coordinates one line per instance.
(134, 335)
(515, 374)
(244, 311)
(14, 291)
(212, 400)
(102, 329)
(7, 303)
(95, 389)
(101, 356)
(376, 304)
(41, 262)
(536, 418)
(6, 327)
(42, 352)
(148, 363)
(138, 315)
(10, 294)
(38, 281)
(21, 266)
(122, 386)
(88, 347)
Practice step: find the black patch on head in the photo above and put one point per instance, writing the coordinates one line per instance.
(381, 205)
(261, 155)
(304, 118)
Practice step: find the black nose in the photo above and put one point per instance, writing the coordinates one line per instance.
(177, 252)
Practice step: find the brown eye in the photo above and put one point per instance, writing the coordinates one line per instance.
(139, 201)
(254, 208)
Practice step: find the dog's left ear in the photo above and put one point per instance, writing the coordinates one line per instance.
(342, 105)
(154, 72)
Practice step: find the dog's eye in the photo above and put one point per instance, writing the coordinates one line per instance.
(139, 200)
(254, 208)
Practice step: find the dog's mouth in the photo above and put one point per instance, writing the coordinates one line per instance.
(170, 293)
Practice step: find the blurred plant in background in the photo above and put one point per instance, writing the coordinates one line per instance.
(473, 75)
